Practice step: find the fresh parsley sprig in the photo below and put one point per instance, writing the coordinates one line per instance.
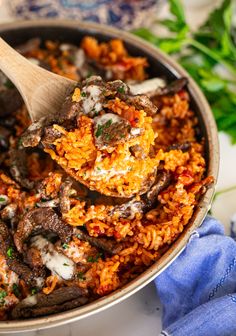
(213, 45)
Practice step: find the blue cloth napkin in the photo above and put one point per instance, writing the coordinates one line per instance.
(198, 290)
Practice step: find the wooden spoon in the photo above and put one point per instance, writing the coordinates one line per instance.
(42, 91)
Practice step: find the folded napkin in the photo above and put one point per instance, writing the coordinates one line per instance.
(198, 290)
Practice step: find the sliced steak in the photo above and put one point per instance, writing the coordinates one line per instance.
(32, 277)
(39, 220)
(59, 300)
(32, 136)
(64, 196)
(110, 130)
(174, 87)
(105, 244)
(134, 206)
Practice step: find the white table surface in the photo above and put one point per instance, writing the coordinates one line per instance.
(140, 314)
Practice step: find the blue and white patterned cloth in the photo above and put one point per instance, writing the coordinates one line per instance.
(198, 290)
(124, 14)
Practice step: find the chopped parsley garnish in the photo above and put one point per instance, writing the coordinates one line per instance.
(65, 246)
(2, 199)
(10, 252)
(121, 89)
(83, 94)
(33, 291)
(65, 264)
(80, 275)
(101, 128)
(94, 258)
(16, 290)
(20, 141)
(98, 168)
(3, 294)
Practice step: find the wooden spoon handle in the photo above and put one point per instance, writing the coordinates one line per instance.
(24, 75)
(42, 91)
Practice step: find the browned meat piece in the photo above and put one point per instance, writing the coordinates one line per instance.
(174, 87)
(4, 138)
(32, 136)
(10, 101)
(9, 214)
(110, 130)
(59, 300)
(50, 135)
(31, 277)
(69, 110)
(117, 88)
(147, 184)
(38, 220)
(109, 246)
(33, 257)
(65, 193)
(18, 168)
(130, 208)
(162, 181)
(184, 147)
(142, 102)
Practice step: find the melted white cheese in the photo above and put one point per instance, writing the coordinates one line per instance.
(106, 117)
(91, 100)
(147, 86)
(30, 301)
(56, 262)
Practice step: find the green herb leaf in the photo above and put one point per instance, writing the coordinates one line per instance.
(33, 291)
(65, 246)
(16, 290)
(101, 128)
(121, 89)
(3, 294)
(65, 264)
(80, 275)
(83, 94)
(94, 259)
(2, 199)
(10, 252)
(214, 44)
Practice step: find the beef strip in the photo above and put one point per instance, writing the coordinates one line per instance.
(32, 136)
(10, 101)
(50, 135)
(174, 87)
(130, 208)
(38, 220)
(107, 245)
(18, 168)
(142, 102)
(64, 195)
(59, 300)
(162, 181)
(110, 130)
(33, 257)
(31, 276)
(9, 214)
